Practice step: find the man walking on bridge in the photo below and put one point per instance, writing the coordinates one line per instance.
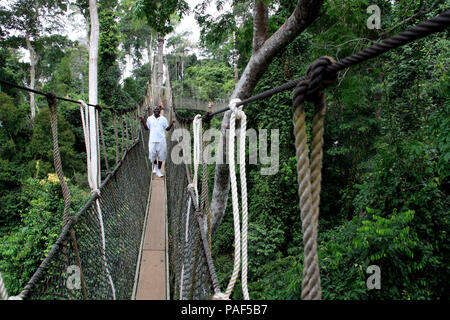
(157, 123)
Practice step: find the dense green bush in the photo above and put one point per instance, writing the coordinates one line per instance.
(385, 183)
(25, 246)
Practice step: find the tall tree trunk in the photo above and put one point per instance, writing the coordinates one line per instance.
(150, 52)
(33, 61)
(235, 59)
(160, 73)
(263, 52)
(93, 53)
(182, 68)
(260, 24)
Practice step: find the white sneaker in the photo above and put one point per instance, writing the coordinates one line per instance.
(155, 167)
(159, 174)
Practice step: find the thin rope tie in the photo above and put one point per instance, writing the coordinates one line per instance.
(53, 107)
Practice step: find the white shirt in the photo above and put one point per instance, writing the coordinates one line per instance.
(157, 126)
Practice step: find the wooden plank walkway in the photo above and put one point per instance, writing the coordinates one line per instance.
(152, 282)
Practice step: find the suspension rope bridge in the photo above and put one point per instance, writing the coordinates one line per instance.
(104, 251)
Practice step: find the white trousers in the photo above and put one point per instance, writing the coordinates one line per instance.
(157, 150)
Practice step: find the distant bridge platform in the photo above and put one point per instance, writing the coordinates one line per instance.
(185, 103)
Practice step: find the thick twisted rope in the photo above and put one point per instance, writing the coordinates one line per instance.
(197, 130)
(309, 175)
(244, 203)
(239, 114)
(53, 107)
(205, 193)
(317, 152)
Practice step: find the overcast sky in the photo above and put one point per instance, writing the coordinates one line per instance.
(188, 23)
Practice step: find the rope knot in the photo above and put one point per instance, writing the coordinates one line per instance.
(319, 77)
(207, 117)
(74, 220)
(51, 98)
(236, 110)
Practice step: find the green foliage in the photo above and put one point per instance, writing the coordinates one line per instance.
(208, 80)
(69, 74)
(386, 242)
(110, 91)
(13, 137)
(11, 70)
(24, 247)
(385, 174)
(160, 13)
(385, 182)
(40, 148)
(216, 34)
(135, 34)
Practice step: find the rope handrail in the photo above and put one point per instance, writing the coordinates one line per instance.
(50, 94)
(46, 94)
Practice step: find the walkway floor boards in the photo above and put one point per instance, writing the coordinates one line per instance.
(152, 283)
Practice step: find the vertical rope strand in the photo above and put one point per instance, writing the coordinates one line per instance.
(238, 113)
(103, 143)
(57, 156)
(205, 191)
(116, 135)
(244, 203)
(304, 181)
(122, 134)
(316, 176)
(237, 232)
